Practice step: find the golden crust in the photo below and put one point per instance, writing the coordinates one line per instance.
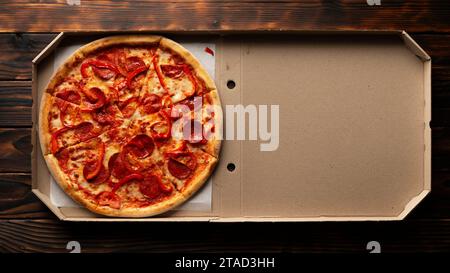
(43, 125)
(190, 59)
(45, 136)
(157, 208)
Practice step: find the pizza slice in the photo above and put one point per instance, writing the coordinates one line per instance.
(184, 164)
(115, 74)
(115, 171)
(176, 74)
(67, 124)
(197, 121)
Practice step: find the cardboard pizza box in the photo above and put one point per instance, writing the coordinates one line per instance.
(336, 127)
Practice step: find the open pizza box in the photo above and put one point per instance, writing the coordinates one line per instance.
(350, 140)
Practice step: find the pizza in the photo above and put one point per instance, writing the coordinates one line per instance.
(129, 126)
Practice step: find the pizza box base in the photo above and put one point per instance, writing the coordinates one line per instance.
(354, 134)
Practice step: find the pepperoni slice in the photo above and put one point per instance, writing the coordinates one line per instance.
(177, 169)
(69, 95)
(172, 71)
(107, 116)
(103, 73)
(91, 169)
(141, 146)
(182, 164)
(116, 166)
(129, 106)
(151, 104)
(94, 99)
(177, 71)
(103, 117)
(132, 63)
(84, 131)
(110, 199)
(101, 177)
(108, 56)
(150, 186)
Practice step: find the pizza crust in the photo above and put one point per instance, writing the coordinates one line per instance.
(43, 126)
(151, 210)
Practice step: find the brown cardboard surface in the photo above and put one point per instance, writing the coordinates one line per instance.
(354, 129)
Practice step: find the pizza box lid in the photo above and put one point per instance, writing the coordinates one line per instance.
(350, 141)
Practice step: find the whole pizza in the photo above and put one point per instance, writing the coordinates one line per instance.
(129, 125)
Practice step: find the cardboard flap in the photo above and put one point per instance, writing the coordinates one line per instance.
(351, 130)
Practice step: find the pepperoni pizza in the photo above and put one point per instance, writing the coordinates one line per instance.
(129, 125)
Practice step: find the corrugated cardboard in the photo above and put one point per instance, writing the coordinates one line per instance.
(355, 141)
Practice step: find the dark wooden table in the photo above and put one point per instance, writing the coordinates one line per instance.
(27, 26)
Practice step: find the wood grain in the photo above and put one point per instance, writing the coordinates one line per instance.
(26, 225)
(99, 15)
(15, 150)
(52, 236)
(17, 200)
(17, 51)
(15, 104)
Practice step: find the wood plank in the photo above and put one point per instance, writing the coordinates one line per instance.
(438, 47)
(17, 200)
(98, 15)
(435, 205)
(15, 150)
(17, 52)
(53, 236)
(15, 104)
(19, 49)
